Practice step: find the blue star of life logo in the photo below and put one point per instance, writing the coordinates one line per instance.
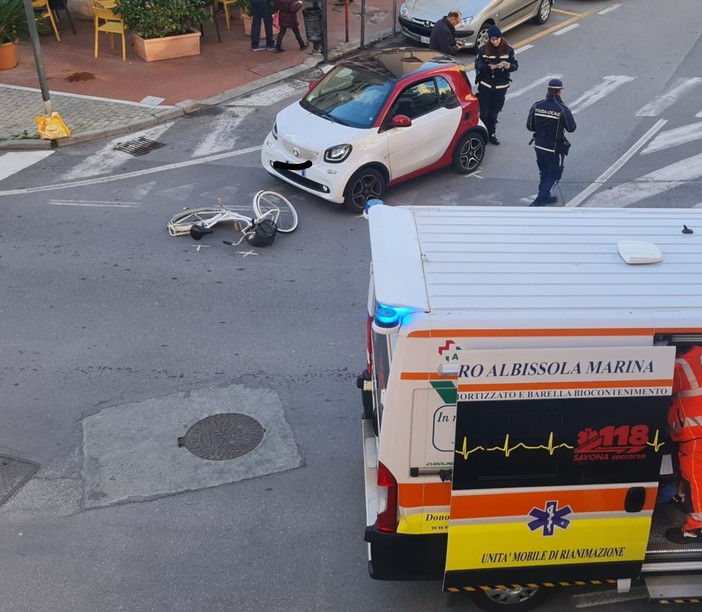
(549, 518)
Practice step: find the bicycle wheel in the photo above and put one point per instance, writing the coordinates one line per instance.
(183, 221)
(284, 214)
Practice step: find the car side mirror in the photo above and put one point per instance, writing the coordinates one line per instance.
(401, 121)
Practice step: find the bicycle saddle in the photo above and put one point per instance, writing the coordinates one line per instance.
(198, 231)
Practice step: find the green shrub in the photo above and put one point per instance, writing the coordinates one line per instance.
(161, 18)
(13, 21)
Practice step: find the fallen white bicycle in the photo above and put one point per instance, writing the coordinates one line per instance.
(272, 213)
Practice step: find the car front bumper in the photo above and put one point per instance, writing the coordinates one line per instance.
(324, 180)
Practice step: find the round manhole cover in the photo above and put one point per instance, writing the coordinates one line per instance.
(223, 436)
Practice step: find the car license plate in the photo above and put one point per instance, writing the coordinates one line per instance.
(424, 39)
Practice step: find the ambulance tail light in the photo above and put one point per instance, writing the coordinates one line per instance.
(387, 500)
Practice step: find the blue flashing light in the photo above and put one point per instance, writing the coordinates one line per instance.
(373, 202)
(388, 316)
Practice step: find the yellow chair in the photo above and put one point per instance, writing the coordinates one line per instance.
(111, 24)
(46, 13)
(225, 4)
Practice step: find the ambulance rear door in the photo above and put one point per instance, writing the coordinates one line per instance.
(556, 462)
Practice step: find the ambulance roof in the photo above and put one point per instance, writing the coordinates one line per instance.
(490, 263)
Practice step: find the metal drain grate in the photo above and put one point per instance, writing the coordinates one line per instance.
(223, 436)
(13, 474)
(139, 146)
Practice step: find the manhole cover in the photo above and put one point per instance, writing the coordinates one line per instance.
(13, 474)
(223, 436)
(138, 146)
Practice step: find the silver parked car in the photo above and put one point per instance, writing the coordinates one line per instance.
(417, 17)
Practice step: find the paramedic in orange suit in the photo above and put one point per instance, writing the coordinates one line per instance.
(685, 426)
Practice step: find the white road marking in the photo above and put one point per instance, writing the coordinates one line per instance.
(524, 48)
(271, 95)
(108, 158)
(608, 85)
(246, 253)
(572, 26)
(542, 81)
(651, 184)
(15, 161)
(608, 9)
(223, 132)
(585, 193)
(94, 203)
(680, 86)
(201, 246)
(128, 175)
(675, 137)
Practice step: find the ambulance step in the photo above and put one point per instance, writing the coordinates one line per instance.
(685, 588)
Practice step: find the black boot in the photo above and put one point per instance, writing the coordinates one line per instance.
(493, 139)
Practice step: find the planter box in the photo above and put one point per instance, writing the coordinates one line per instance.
(8, 55)
(247, 19)
(155, 49)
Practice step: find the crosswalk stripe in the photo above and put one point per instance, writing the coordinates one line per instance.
(665, 100)
(607, 174)
(108, 158)
(14, 161)
(223, 132)
(608, 85)
(649, 185)
(675, 137)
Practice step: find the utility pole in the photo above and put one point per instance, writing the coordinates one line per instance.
(34, 35)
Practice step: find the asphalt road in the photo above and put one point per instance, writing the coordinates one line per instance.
(118, 338)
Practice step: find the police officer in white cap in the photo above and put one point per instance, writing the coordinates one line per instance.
(549, 119)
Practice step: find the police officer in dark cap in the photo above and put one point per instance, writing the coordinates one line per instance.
(549, 119)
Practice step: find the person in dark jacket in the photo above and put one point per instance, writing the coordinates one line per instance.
(493, 66)
(261, 11)
(287, 19)
(549, 119)
(443, 34)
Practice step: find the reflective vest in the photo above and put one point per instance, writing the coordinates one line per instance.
(685, 415)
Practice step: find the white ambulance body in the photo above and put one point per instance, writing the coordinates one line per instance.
(516, 396)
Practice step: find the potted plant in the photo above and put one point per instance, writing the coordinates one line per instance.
(162, 29)
(13, 28)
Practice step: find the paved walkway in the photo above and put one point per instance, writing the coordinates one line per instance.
(105, 96)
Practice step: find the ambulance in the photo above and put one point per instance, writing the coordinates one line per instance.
(515, 398)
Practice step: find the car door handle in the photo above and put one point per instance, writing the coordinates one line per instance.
(635, 499)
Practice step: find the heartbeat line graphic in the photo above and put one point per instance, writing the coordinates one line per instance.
(465, 452)
(655, 444)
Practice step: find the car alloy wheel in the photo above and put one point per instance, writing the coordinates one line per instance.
(469, 153)
(482, 38)
(365, 185)
(544, 12)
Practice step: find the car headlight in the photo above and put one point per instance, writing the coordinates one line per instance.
(465, 22)
(274, 130)
(404, 11)
(337, 153)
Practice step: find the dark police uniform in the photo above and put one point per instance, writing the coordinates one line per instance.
(549, 119)
(493, 84)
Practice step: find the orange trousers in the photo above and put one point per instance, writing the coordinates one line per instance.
(690, 455)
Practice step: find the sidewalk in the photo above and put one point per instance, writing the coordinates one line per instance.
(105, 96)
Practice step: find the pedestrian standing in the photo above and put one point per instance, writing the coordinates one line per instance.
(287, 18)
(549, 119)
(685, 427)
(493, 65)
(443, 34)
(261, 11)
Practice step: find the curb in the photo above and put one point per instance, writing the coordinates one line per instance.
(188, 107)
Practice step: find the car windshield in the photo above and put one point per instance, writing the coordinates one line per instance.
(349, 96)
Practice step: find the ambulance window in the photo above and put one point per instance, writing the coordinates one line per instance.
(559, 441)
(381, 366)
